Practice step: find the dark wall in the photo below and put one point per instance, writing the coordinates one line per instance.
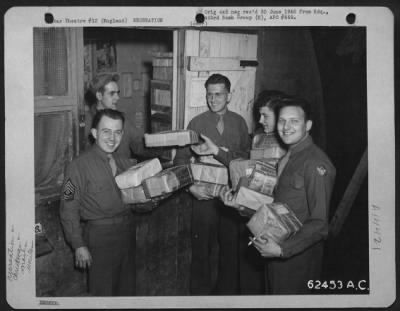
(342, 64)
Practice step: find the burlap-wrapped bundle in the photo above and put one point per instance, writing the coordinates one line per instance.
(134, 176)
(274, 221)
(171, 138)
(168, 181)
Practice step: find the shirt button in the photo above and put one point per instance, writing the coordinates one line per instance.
(196, 236)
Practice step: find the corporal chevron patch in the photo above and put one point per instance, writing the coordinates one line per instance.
(69, 190)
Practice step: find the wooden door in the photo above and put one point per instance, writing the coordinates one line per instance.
(227, 53)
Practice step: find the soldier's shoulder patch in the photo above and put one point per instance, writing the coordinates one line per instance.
(321, 170)
(69, 190)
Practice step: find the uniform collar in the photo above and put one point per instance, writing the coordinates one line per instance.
(308, 141)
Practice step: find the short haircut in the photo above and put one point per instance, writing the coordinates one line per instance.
(111, 113)
(291, 101)
(97, 85)
(217, 79)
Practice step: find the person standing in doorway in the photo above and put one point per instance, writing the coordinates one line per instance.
(226, 137)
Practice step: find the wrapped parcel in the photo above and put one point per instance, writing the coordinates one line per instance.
(209, 173)
(251, 199)
(171, 138)
(275, 221)
(134, 176)
(167, 181)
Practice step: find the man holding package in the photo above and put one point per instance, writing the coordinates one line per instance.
(305, 184)
(226, 137)
(90, 195)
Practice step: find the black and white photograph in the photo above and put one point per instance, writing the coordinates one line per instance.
(211, 157)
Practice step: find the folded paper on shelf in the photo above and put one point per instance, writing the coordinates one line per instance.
(134, 176)
(171, 138)
(275, 221)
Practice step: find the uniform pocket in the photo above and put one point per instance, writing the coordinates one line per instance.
(297, 182)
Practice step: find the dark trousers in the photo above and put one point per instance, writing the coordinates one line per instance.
(204, 247)
(228, 272)
(112, 272)
(251, 264)
(290, 276)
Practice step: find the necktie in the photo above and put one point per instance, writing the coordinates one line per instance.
(282, 163)
(112, 163)
(220, 124)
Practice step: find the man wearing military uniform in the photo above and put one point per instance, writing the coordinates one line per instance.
(96, 222)
(103, 93)
(306, 179)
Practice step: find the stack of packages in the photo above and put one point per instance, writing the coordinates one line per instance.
(266, 146)
(171, 138)
(274, 221)
(256, 189)
(147, 182)
(212, 177)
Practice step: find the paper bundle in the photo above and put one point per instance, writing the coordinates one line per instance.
(266, 146)
(134, 195)
(211, 189)
(134, 176)
(275, 221)
(263, 178)
(167, 181)
(171, 138)
(240, 168)
(251, 199)
(209, 173)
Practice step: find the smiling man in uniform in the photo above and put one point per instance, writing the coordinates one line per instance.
(226, 138)
(97, 224)
(305, 184)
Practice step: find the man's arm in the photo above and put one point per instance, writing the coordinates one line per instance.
(70, 215)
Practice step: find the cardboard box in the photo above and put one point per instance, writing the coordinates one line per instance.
(168, 181)
(134, 176)
(275, 221)
(209, 173)
(251, 199)
(171, 138)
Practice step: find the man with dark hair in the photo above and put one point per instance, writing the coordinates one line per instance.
(103, 92)
(305, 184)
(226, 137)
(97, 224)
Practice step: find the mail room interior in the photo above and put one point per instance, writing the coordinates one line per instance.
(161, 73)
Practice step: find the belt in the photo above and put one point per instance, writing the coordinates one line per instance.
(111, 221)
